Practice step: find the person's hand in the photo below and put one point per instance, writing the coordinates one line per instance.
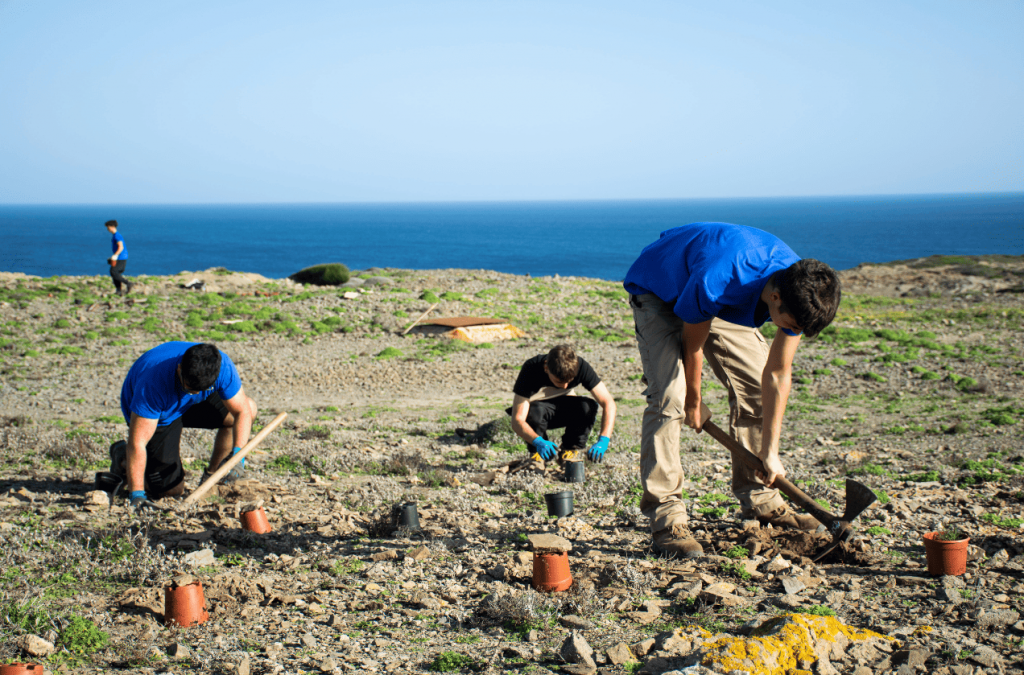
(545, 448)
(773, 469)
(137, 501)
(597, 450)
(691, 413)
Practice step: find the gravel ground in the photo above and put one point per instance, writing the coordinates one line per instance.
(915, 393)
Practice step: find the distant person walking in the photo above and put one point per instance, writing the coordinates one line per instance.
(119, 259)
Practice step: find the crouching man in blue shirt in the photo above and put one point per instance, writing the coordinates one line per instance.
(174, 386)
(701, 291)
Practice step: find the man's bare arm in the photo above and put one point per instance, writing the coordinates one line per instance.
(776, 382)
(608, 408)
(520, 409)
(693, 338)
(140, 431)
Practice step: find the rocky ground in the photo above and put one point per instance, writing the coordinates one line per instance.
(915, 391)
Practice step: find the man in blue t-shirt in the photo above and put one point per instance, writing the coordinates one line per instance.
(174, 386)
(119, 259)
(700, 291)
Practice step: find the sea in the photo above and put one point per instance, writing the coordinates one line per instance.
(598, 239)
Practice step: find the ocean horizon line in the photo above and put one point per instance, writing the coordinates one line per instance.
(560, 200)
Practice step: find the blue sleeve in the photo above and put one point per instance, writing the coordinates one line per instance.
(228, 382)
(145, 402)
(696, 303)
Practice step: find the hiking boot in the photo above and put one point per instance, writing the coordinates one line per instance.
(129, 289)
(119, 459)
(784, 517)
(677, 541)
(237, 473)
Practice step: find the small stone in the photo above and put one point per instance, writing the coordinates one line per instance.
(497, 572)
(328, 665)
(776, 565)
(576, 650)
(178, 651)
(642, 648)
(183, 580)
(620, 654)
(200, 558)
(309, 640)
(998, 618)
(722, 593)
(574, 622)
(419, 553)
(792, 586)
(986, 656)
(314, 609)
(549, 543)
(96, 498)
(335, 621)
(948, 595)
(384, 555)
(36, 646)
(532, 636)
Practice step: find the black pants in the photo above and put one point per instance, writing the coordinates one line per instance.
(116, 270)
(575, 413)
(164, 470)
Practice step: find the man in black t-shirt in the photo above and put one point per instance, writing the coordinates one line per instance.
(544, 399)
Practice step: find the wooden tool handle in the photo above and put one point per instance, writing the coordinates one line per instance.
(798, 496)
(233, 460)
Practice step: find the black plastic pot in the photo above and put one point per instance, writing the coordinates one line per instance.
(108, 481)
(408, 517)
(573, 472)
(559, 503)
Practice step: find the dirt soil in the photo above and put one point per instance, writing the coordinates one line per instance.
(915, 391)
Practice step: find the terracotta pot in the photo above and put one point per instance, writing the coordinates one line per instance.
(185, 605)
(551, 572)
(256, 521)
(21, 669)
(945, 557)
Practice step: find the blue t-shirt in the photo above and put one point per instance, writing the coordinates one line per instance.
(711, 269)
(123, 255)
(153, 391)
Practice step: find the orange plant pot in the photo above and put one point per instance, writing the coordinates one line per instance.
(21, 669)
(551, 572)
(256, 521)
(945, 557)
(184, 605)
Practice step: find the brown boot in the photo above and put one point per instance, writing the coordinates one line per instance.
(677, 540)
(784, 517)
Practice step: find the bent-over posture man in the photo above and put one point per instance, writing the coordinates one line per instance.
(170, 387)
(544, 398)
(700, 291)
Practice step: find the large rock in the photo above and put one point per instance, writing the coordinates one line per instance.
(782, 644)
(576, 650)
(36, 646)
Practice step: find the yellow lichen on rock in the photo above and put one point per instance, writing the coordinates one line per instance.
(784, 644)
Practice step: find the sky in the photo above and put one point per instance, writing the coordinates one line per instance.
(247, 101)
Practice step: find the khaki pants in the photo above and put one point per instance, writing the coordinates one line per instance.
(737, 355)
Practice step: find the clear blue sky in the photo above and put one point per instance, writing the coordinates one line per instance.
(249, 101)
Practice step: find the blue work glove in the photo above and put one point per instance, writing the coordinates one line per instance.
(597, 450)
(137, 500)
(545, 448)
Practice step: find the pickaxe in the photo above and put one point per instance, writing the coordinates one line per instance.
(858, 495)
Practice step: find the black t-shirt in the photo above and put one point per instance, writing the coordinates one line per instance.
(533, 383)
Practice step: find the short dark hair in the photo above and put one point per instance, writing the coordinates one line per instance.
(810, 291)
(562, 363)
(200, 366)
(110, 223)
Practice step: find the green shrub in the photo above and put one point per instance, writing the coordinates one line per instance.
(451, 295)
(329, 274)
(61, 323)
(243, 327)
(429, 296)
(448, 662)
(389, 353)
(81, 636)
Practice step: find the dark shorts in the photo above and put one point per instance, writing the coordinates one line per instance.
(164, 470)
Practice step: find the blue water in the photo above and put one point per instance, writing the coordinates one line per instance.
(593, 239)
